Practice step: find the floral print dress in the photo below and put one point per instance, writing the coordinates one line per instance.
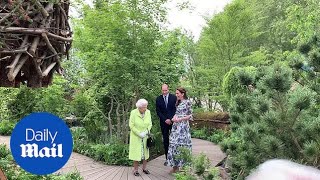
(180, 134)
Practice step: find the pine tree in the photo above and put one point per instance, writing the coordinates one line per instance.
(280, 118)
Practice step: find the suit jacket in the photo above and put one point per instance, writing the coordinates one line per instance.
(164, 112)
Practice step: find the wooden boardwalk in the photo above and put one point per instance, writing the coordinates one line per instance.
(93, 170)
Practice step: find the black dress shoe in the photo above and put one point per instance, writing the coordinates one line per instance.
(165, 163)
(146, 171)
(136, 173)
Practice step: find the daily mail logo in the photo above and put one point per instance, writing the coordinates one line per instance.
(41, 143)
(32, 150)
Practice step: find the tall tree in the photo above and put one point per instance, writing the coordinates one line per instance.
(221, 45)
(127, 55)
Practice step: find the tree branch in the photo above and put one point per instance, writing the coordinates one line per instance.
(16, 60)
(45, 37)
(32, 31)
(14, 71)
(14, 51)
(32, 49)
(42, 9)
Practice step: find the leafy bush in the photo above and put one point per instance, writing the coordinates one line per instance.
(94, 126)
(112, 153)
(216, 137)
(23, 103)
(199, 133)
(196, 167)
(213, 135)
(231, 82)
(6, 127)
(51, 99)
(81, 105)
(6, 95)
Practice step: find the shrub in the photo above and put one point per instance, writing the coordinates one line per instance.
(112, 153)
(273, 121)
(6, 127)
(94, 125)
(196, 167)
(235, 80)
(213, 135)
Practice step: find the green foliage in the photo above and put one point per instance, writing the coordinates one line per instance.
(199, 133)
(276, 120)
(23, 103)
(213, 135)
(237, 80)
(126, 55)
(4, 152)
(6, 127)
(113, 152)
(51, 99)
(201, 164)
(196, 167)
(308, 73)
(185, 175)
(277, 80)
(222, 44)
(185, 155)
(81, 105)
(6, 95)
(94, 124)
(14, 172)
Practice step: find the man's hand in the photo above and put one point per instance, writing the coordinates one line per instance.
(168, 121)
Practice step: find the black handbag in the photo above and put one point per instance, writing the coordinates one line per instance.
(150, 141)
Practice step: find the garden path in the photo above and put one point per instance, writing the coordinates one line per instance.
(93, 170)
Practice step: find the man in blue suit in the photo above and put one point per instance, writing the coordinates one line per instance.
(166, 108)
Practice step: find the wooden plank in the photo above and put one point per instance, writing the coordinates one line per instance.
(79, 167)
(159, 172)
(119, 175)
(143, 175)
(131, 176)
(112, 174)
(96, 174)
(124, 175)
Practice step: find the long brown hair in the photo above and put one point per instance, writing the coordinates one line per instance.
(182, 90)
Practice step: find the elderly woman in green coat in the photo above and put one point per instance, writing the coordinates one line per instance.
(140, 124)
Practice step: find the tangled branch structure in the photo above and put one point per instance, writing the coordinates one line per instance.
(35, 36)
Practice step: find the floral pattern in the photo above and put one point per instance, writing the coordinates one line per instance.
(180, 134)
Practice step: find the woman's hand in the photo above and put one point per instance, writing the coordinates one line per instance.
(176, 119)
(143, 134)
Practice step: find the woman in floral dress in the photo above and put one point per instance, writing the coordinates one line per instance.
(180, 133)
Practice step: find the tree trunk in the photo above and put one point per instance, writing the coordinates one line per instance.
(109, 117)
(118, 120)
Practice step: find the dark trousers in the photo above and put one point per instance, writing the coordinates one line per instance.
(165, 129)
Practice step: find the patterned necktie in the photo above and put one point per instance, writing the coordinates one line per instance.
(165, 101)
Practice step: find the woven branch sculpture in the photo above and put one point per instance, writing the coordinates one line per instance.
(34, 38)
